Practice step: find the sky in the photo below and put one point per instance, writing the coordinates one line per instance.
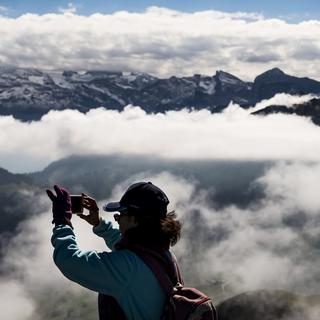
(163, 38)
(291, 10)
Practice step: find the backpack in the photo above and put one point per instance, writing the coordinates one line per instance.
(183, 303)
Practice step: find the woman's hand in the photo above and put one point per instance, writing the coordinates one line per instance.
(90, 204)
(61, 205)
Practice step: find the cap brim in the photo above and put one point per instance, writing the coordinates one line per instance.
(113, 206)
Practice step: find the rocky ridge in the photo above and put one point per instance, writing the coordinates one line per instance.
(28, 94)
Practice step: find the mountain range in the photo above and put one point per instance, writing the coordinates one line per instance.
(28, 94)
(80, 173)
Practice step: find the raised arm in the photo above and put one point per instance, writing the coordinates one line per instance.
(106, 272)
(101, 228)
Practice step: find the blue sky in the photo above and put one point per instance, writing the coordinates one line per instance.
(290, 10)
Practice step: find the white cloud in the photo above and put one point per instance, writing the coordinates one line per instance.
(15, 302)
(231, 135)
(272, 244)
(282, 99)
(71, 9)
(161, 42)
(297, 183)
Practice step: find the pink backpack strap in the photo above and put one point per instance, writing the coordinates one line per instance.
(177, 268)
(163, 264)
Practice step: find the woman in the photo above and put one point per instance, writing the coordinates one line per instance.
(127, 286)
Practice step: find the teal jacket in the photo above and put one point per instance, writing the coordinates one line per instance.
(121, 274)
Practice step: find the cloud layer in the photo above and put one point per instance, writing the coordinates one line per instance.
(162, 42)
(272, 244)
(231, 135)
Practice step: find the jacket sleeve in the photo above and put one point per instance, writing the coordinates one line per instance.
(106, 231)
(106, 272)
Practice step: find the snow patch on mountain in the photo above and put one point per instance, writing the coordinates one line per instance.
(23, 92)
(58, 79)
(37, 79)
(208, 86)
(114, 97)
(129, 76)
(227, 78)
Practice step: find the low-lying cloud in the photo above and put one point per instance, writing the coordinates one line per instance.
(162, 42)
(271, 244)
(282, 99)
(234, 134)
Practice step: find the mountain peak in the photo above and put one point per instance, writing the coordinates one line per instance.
(274, 72)
(221, 73)
(272, 75)
(227, 78)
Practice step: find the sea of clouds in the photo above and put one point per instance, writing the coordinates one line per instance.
(273, 243)
(234, 134)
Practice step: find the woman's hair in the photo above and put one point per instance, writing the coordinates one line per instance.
(155, 233)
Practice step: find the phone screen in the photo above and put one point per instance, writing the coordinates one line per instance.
(76, 204)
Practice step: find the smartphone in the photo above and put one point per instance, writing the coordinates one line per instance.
(76, 203)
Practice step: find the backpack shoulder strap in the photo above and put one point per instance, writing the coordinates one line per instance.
(162, 264)
(174, 260)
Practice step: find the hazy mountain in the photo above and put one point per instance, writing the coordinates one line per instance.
(97, 175)
(307, 109)
(7, 177)
(17, 197)
(27, 94)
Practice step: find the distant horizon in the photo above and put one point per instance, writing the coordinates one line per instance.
(289, 10)
(141, 72)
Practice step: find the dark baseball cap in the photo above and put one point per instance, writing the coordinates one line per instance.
(144, 197)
